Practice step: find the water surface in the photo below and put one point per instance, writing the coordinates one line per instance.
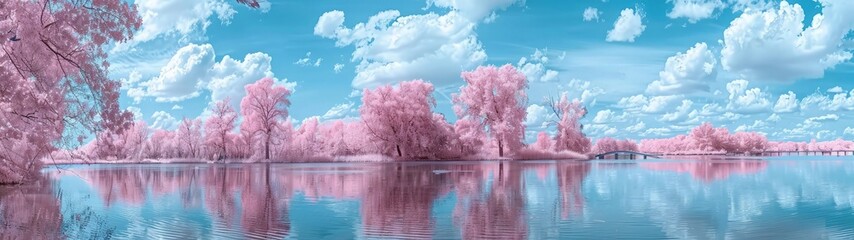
(775, 198)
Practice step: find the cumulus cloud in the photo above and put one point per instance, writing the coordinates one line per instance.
(181, 77)
(609, 116)
(774, 44)
(329, 24)
(686, 72)
(786, 103)
(177, 107)
(475, 10)
(338, 67)
(163, 120)
(538, 116)
(591, 14)
(641, 103)
(627, 27)
(640, 126)
(836, 89)
(176, 17)
(744, 100)
(694, 10)
(587, 92)
(535, 69)
(339, 111)
(390, 48)
(683, 113)
(193, 69)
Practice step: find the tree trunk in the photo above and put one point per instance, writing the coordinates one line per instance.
(267, 148)
(399, 154)
(500, 148)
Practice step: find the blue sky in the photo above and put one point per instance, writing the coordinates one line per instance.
(645, 69)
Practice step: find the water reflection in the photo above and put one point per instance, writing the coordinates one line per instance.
(697, 199)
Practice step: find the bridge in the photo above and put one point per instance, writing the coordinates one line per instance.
(625, 155)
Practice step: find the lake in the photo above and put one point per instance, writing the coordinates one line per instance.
(773, 198)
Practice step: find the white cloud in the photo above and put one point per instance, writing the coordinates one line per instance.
(628, 27)
(339, 111)
(849, 131)
(836, 89)
(640, 103)
(773, 118)
(585, 89)
(686, 72)
(229, 76)
(656, 132)
(307, 61)
(608, 116)
(774, 45)
(537, 116)
(753, 5)
(636, 128)
(355, 93)
(338, 67)
(193, 69)
(757, 125)
(180, 17)
(591, 14)
(177, 107)
(823, 118)
(681, 113)
(535, 68)
(390, 48)
(786, 103)
(328, 24)
(137, 112)
(181, 77)
(694, 10)
(744, 100)
(163, 120)
(475, 10)
(659, 104)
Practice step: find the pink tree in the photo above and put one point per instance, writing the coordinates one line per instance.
(305, 141)
(544, 142)
(53, 74)
(495, 97)
(401, 118)
(218, 128)
(569, 129)
(469, 136)
(264, 107)
(189, 134)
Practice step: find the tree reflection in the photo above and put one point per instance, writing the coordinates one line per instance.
(709, 170)
(29, 212)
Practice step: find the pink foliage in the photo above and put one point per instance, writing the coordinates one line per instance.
(53, 73)
(494, 98)
(705, 139)
(218, 130)
(813, 145)
(544, 142)
(607, 144)
(569, 135)
(402, 120)
(264, 108)
(189, 137)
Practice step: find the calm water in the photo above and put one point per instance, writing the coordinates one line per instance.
(777, 198)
